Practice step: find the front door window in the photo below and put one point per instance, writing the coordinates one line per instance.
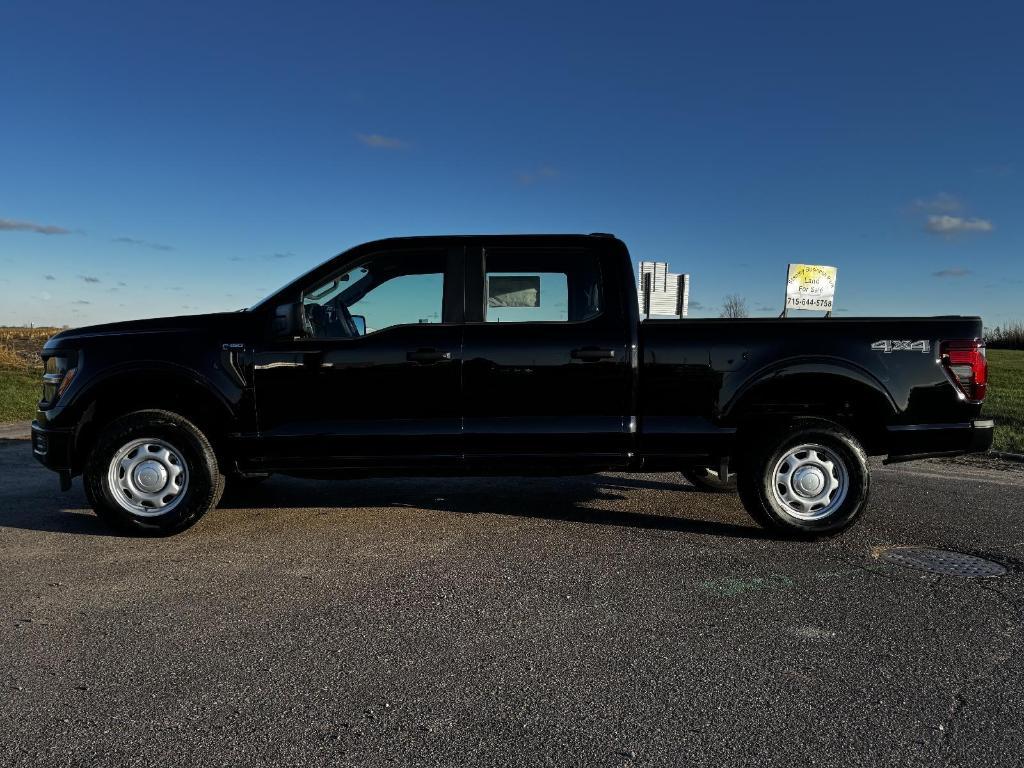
(384, 291)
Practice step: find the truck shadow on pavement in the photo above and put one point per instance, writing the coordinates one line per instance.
(635, 502)
(69, 513)
(28, 503)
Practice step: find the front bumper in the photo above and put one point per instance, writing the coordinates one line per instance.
(53, 448)
(920, 441)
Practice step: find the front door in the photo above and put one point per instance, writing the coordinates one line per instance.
(375, 379)
(547, 374)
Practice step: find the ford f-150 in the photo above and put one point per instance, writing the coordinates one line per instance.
(514, 354)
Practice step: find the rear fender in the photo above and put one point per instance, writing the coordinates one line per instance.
(831, 389)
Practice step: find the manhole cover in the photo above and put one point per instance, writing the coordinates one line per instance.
(942, 562)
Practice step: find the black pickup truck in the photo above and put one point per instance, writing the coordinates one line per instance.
(515, 354)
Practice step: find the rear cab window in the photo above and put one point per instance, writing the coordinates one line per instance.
(538, 285)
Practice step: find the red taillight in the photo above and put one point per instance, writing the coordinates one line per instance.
(967, 366)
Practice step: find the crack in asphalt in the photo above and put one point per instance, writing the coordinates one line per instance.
(959, 703)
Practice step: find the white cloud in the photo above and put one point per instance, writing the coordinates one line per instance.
(543, 173)
(377, 141)
(13, 225)
(944, 224)
(143, 243)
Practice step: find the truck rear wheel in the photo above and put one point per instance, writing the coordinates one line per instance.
(152, 471)
(810, 478)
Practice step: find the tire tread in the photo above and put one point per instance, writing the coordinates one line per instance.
(751, 477)
(132, 425)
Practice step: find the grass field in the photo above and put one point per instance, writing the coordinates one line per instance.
(1005, 401)
(21, 371)
(19, 392)
(20, 384)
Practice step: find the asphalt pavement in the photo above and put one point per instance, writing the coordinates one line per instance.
(587, 621)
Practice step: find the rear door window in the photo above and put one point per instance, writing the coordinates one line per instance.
(527, 285)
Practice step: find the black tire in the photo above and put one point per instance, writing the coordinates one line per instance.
(765, 498)
(102, 512)
(200, 494)
(707, 479)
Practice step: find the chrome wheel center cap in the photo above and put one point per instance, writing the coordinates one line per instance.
(809, 481)
(150, 476)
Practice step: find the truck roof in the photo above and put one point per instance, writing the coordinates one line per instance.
(522, 237)
(413, 241)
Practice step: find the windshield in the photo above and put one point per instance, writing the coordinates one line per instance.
(302, 278)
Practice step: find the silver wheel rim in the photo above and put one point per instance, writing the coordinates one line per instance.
(148, 477)
(810, 482)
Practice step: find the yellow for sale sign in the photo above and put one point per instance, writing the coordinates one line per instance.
(810, 286)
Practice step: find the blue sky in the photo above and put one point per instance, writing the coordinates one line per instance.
(167, 158)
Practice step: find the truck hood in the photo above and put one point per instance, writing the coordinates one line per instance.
(214, 324)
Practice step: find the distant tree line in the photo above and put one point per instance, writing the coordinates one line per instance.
(1009, 336)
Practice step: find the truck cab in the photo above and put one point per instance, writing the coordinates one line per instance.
(462, 351)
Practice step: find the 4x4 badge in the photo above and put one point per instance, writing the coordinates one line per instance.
(902, 345)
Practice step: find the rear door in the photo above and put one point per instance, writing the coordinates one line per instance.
(547, 371)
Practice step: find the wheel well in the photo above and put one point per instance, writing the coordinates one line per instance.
(134, 392)
(859, 408)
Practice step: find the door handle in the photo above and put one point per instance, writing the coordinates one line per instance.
(592, 354)
(427, 356)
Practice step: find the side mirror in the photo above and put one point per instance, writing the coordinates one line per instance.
(287, 319)
(359, 321)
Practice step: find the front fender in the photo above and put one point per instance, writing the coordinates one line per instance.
(135, 376)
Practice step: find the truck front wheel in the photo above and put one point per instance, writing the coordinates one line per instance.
(152, 471)
(810, 478)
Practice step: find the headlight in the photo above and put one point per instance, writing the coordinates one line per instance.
(57, 364)
(58, 373)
